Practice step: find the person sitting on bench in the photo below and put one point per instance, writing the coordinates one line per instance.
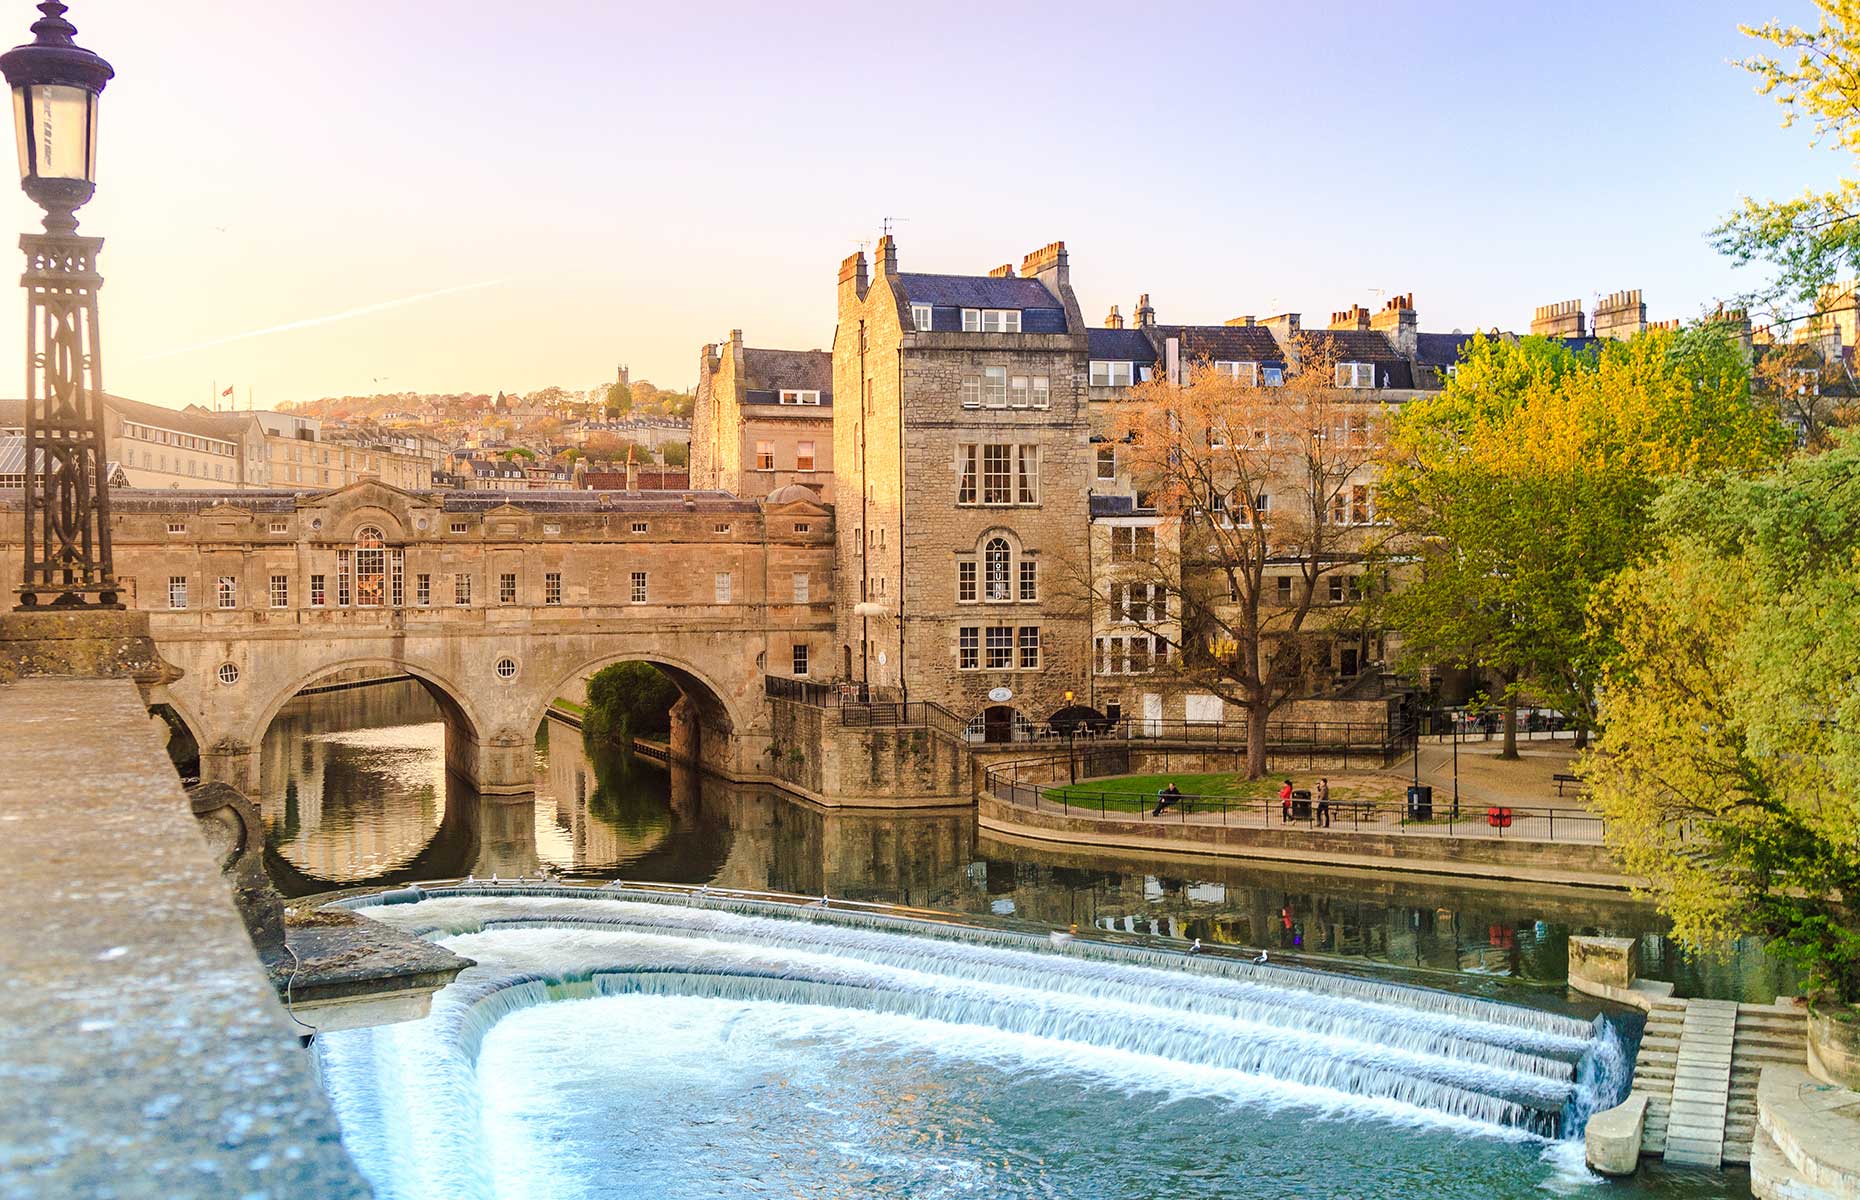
(1170, 794)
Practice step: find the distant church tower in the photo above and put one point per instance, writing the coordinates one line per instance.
(625, 380)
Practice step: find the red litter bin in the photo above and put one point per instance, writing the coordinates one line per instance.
(1498, 818)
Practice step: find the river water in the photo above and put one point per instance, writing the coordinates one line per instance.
(746, 1059)
(354, 791)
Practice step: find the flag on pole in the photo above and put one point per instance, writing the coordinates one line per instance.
(227, 392)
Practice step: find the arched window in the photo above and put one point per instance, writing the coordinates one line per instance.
(996, 568)
(374, 571)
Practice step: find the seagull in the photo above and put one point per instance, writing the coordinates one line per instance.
(1196, 948)
(1261, 958)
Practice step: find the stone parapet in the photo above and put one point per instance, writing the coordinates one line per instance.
(1611, 1140)
(151, 1057)
(1808, 1145)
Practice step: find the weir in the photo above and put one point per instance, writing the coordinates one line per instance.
(1329, 1041)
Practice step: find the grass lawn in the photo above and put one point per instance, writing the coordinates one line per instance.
(1127, 793)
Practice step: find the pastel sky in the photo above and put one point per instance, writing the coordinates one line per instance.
(520, 194)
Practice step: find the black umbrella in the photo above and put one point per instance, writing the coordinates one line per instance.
(1070, 719)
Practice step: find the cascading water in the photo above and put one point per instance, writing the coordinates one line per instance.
(711, 992)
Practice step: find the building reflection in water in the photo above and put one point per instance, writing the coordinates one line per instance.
(355, 792)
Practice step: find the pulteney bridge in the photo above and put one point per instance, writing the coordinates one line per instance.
(497, 602)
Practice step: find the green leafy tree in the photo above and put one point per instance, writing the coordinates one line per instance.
(1810, 241)
(1730, 770)
(675, 454)
(628, 700)
(1527, 482)
(619, 400)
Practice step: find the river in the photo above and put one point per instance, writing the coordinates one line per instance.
(354, 791)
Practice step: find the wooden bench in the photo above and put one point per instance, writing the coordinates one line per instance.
(1564, 779)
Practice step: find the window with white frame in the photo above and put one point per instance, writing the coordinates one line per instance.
(461, 589)
(971, 391)
(969, 648)
(640, 526)
(800, 396)
(723, 583)
(801, 584)
(994, 387)
(997, 561)
(765, 455)
(177, 591)
(552, 587)
(228, 592)
(280, 591)
(998, 647)
(1356, 375)
(637, 592)
(423, 589)
(319, 591)
(507, 587)
(1361, 512)
(1042, 392)
(1246, 373)
(1029, 647)
(1261, 510)
(1133, 543)
(1272, 376)
(798, 658)
(965, 581)
(923, 317)
(1107, 462)
(278, 526)
(1805, 381)
(1029, 580)
(177, 527)
(804, 456)
(991, 320)
(1110, 373)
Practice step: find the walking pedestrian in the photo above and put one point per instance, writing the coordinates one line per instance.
(1285, 803)
(1323, 803)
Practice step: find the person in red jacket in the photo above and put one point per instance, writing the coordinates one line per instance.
(1285, 802)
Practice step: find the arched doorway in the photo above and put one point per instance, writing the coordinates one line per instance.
(998, 723)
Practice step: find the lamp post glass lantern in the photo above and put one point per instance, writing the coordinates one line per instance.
(56, 84)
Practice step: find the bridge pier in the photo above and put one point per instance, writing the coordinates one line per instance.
(231, 761)
(502, 765)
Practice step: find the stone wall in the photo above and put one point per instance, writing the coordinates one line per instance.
(858, 765)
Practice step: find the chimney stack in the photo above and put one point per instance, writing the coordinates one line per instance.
(1240, 321)
(1563, 319)
(1398, 322)
(1049, 259)
(885, 259)
(1736, 322)
(1115, 319)
(1144, 316)
(1004, 271)
(1620, 314)
(1353, 317)
(852, 274)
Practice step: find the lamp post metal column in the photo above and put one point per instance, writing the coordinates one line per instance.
(55, 85)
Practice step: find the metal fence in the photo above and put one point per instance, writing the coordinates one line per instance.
(1405, 815)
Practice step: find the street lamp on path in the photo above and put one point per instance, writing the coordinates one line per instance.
(56, 84)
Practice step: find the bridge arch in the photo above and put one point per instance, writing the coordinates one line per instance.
(718, 715)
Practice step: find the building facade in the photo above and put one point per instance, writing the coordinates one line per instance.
(763, 419)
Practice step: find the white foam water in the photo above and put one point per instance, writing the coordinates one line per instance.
(1133, 1019)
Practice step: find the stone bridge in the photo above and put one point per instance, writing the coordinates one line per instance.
(497, 602)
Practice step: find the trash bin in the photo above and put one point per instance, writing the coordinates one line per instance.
(1301, 805)
(1420, 802)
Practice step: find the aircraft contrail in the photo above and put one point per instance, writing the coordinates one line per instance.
(308, 322)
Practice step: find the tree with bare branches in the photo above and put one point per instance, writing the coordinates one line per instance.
(1263, 498)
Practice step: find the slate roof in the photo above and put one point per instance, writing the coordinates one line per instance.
(1227, 343)
(1121, 345)
(1113, 506)
(1440, 349)
(771, 371)
(226, 427)
(977, 291)
(13, 462)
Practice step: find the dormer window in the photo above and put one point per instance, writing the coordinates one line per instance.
(800, 397)
(923, 317)
(1246, 373)
(1110, 374)
(1805, 381)
(991, 320)
(1273, 376)
(1356, 375)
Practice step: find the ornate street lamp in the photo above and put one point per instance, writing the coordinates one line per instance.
(55, 85)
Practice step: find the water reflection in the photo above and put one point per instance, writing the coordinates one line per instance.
(355, 791)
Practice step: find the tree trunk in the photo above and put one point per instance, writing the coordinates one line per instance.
(1582, 737)
(1511, 731)
(1256, 715)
